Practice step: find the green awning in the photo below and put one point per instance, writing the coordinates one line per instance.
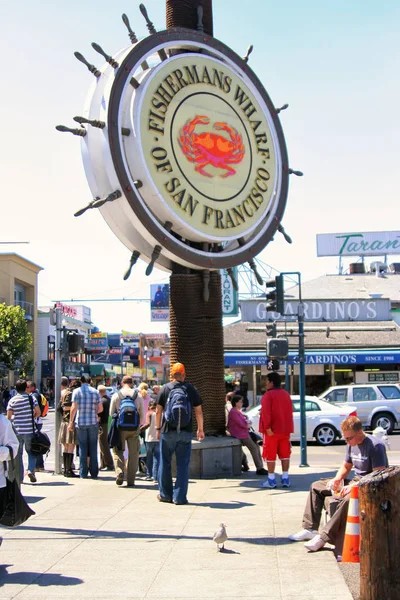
(109, 374)
(96, 370)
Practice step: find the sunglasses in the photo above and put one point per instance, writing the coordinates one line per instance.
(348, 439)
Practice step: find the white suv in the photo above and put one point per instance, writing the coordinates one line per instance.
(377, 405)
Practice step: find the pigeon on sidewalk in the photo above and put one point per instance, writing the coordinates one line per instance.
(220, 536)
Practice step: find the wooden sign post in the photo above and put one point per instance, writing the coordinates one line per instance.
(379, 498)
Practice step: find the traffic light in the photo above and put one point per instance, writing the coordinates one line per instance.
(271, 330)
(275, 297)
(76, 343)
(277, 348)
(273, 364)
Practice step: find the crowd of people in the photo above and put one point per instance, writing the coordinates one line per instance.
(114, 429)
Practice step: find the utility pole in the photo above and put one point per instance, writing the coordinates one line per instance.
(302, 372)
(57, 388)
(302, 385)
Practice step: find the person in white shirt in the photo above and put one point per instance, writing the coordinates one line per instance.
(7, 438)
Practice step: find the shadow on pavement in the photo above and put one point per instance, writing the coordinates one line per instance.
(46, 483)
(298, 483)
(224, 505)
(144, 536)
(33, 499)
(32, 577)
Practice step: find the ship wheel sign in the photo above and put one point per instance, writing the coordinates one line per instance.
(183, 151)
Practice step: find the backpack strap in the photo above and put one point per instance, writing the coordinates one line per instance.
(122, 397)
(33, 420)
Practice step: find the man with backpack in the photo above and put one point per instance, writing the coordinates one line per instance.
(128, 404)
(22, 410)
(174, 430)
(44, 407)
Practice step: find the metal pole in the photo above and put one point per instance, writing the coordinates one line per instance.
(254, 385)
(57, 388)
(302, 386)
(287, 382)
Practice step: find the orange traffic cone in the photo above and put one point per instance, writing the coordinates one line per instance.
(351, 546)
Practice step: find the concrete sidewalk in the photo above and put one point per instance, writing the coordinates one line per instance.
(92, 539)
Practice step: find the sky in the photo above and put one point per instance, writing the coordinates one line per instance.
(336, 66)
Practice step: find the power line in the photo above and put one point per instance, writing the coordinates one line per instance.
(104, 300)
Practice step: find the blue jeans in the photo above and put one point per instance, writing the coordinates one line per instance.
(26, 439)
(180, 443)
(153, 459)
(87, 440)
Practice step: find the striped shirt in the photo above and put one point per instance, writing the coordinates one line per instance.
(87, 399)
(22, 412)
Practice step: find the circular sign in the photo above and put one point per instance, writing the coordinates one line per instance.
(194, 145)
(207, 146)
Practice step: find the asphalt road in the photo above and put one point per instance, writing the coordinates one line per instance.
(317, 456)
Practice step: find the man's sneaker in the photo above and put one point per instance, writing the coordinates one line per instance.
(315, 544)
(285, 482)
(148, 478)
(303, 535)
(120, 479)
(270, 483)
(32, 477)
(262, 472)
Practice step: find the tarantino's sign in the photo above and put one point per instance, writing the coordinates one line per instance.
(207, 145)
(358, 244)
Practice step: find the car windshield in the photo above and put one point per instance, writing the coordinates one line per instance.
(389, 391)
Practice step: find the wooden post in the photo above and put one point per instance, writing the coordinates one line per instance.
(379, 501)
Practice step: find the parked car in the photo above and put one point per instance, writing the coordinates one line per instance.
(322, 419)
(377, 404)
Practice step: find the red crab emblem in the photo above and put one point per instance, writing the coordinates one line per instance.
(210, 148)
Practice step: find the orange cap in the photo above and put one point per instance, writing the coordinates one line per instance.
(178, 368)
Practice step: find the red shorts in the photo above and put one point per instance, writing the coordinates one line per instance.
(276, 444)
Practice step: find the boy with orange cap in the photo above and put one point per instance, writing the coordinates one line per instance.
(174, 430)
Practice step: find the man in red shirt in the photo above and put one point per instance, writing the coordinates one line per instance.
(276, 424)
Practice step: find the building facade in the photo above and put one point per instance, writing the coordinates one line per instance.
(352, 334)
(75, 320)
(18, 287)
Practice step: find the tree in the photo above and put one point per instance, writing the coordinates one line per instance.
(15, 339)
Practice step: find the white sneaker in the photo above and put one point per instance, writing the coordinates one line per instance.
(315, 544)
(270, 483)
(303, 535)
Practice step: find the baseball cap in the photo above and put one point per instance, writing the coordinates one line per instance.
(178, 368)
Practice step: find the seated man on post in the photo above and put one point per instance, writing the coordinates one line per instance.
(365, 453)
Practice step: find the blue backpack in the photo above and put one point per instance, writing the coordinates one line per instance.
(128, 415)
(178, 410)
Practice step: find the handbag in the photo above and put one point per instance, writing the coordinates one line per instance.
(40, 443)
(114, 436)
(16, 510)
(255, 437)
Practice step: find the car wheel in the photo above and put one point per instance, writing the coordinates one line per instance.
(325, 435)
(384, 420)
